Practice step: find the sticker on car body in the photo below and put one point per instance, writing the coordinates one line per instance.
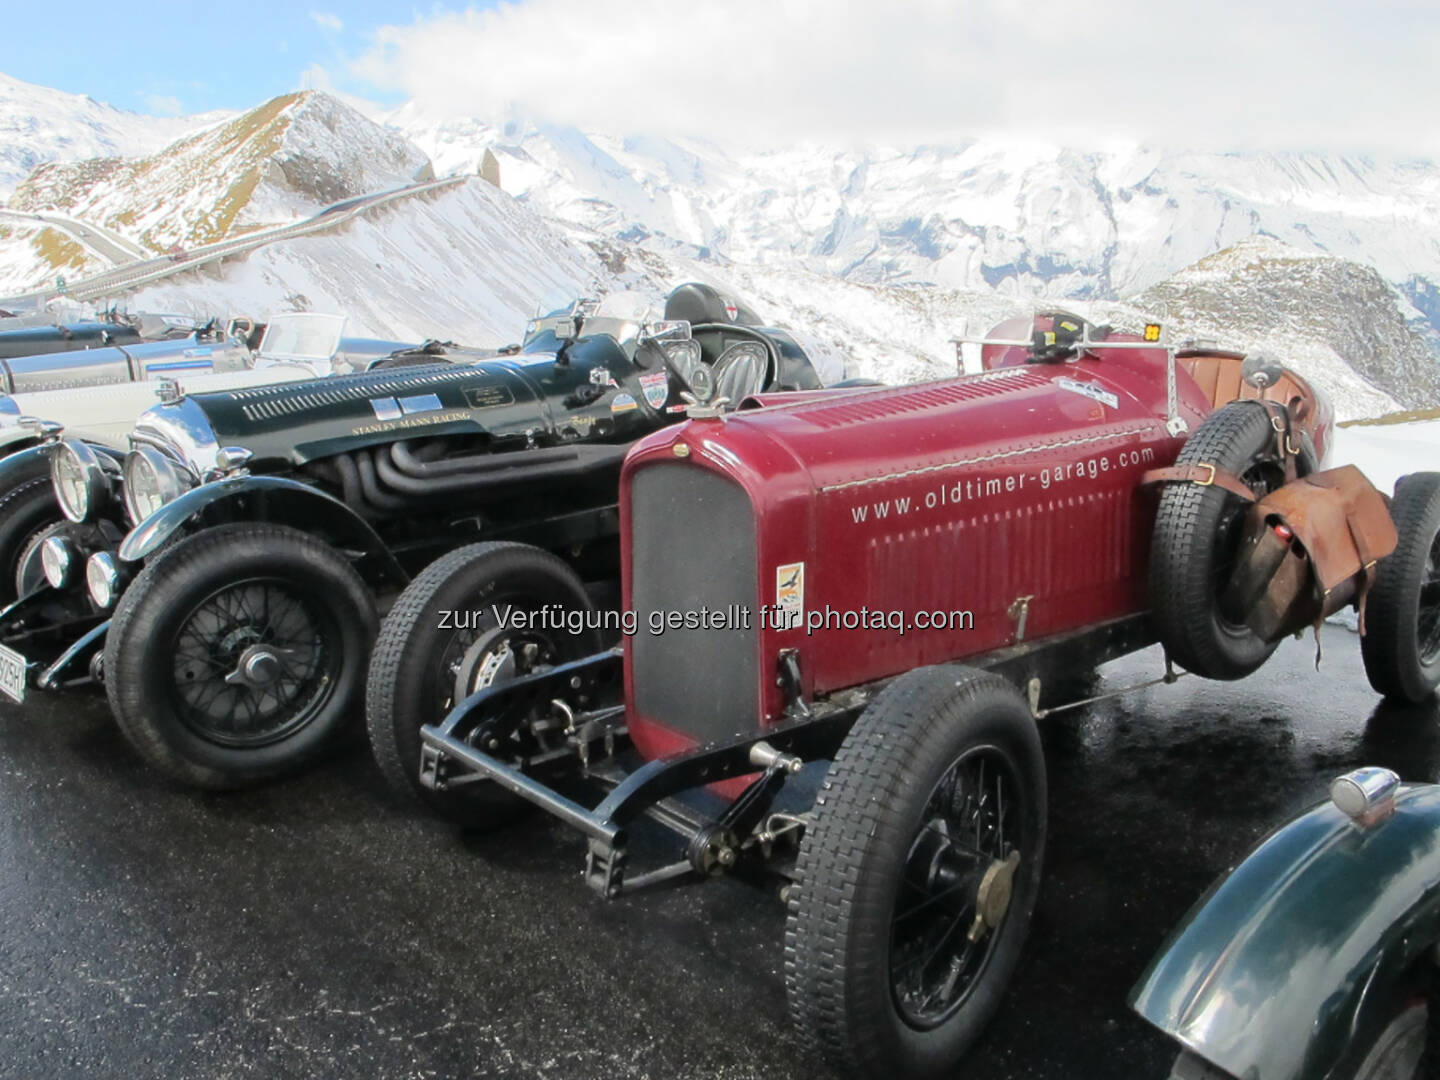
(623, 403)
(656, 388)
(789, 595)
(1089, 390)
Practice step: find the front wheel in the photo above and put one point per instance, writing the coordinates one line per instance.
(239, 654)
(29, 512)
(1401, 646)
(918, 875)
(457, 628)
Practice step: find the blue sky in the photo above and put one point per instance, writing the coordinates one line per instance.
(169, 56)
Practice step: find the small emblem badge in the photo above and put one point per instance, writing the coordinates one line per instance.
(656, 388)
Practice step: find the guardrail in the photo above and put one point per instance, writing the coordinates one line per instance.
(134, 275)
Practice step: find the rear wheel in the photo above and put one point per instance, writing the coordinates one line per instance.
(917, 877)
(450, 634)
(239, 654)
(1198, 531)
(1401, 646)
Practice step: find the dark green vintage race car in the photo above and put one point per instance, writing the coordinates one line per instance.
(224, 579)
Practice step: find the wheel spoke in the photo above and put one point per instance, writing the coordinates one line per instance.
(967, 829)
(215, 642)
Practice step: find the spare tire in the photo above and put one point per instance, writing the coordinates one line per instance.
(1197, 537)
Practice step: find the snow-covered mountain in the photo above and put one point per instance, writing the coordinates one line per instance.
(38, 124)
(1022, 218)
(876, 257)
(282, 161)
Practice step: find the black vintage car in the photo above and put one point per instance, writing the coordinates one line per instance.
(267, 527)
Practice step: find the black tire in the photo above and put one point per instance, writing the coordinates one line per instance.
(1197, 535)
(1189, 1067)
(422, 668)
(1401, 646)
(205, 605)
(28, 509)
(1400, 1046)
(846, 946)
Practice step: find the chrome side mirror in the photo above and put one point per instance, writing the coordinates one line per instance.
(1261, 370)
(668, 330)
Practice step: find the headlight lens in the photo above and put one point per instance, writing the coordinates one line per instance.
(151, 481)
(79, 481)
(103, 579)
(55, 560)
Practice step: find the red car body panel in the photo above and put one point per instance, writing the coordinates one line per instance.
(961, 495)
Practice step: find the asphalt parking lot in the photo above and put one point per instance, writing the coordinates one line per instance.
(315, 929)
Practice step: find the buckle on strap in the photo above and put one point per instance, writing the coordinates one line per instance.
(1209, 480)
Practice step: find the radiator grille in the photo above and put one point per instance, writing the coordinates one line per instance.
(692, 548)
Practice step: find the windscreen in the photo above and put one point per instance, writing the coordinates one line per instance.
(302, 337)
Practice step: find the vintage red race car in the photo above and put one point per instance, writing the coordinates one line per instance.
(842, 616)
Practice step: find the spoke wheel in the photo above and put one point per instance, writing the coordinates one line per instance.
(238, 654)
(251, 665)
(917, 875)
(965, 854)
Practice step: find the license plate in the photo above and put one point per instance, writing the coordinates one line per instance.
(12, 674)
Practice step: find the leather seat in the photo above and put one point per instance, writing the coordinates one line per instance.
(1218, 374)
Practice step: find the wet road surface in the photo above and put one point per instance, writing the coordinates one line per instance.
(316, 929)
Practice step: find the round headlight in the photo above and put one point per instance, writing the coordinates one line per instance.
(151, 481)
(103, 579)
(79, 481)
(55, 558)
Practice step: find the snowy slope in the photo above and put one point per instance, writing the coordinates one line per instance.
(469, 264)
(38, 124)
(279, 162)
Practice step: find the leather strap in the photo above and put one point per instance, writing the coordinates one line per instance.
(1204, 475)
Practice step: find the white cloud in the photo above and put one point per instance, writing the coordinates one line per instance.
(327, 21)
(1232, 73)
(163, 105)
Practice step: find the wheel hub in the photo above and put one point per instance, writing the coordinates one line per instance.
(258, 667)
(992, 899)
(493, 657)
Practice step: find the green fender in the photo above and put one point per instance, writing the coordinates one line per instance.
(1290, 965)
(275, 499)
